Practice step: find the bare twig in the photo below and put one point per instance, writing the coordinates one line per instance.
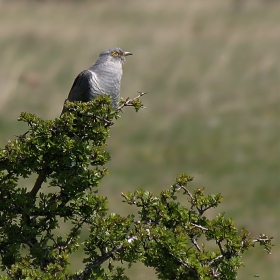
(123, 195)
(216, 273)
(214, 260)
(261, 240)
(129, 102)
(198, 226)
(195, 244)
(188, 192)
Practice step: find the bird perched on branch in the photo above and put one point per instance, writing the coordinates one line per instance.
(103, 77)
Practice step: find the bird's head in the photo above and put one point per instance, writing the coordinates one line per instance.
(115, 54)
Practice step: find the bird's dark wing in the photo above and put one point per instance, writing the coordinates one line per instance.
(82, 88)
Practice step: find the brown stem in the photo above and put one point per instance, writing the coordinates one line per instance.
(42, 176)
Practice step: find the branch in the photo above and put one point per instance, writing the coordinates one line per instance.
(97, 263)
(214, 260)
(101, 119)
(128, 199)
(198, 226)
(265, 241)
(202, 210)
(220, 247)
(41, 178)
(70, 238)
(188, 266)
(261, 239)
(187, 191)
(195, 244)
(129, 102)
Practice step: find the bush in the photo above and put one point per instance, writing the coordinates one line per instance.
(68, 157)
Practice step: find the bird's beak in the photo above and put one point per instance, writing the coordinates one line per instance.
(127, 53)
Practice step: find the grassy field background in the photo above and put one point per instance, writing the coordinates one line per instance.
(212, 73)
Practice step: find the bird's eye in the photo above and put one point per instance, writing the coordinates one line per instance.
(115, 53)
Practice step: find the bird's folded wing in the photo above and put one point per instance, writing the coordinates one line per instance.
(83, 87)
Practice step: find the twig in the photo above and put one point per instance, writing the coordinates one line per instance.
(97, 263)
(129, 102)
(77, 227)
(198, 226)
(202, 210)
(214, 260)
(188, 192)
(104, 120)
(195, 244)
(216, 273)
(128, 199)
(189, 267)
(261, 240)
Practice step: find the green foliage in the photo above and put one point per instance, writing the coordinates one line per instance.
(170, 235)
(68, 157)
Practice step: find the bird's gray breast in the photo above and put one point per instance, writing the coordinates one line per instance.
(106, 79)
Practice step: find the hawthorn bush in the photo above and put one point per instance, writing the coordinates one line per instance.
(68, 157)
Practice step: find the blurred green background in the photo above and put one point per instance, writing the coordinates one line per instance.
(211, 70)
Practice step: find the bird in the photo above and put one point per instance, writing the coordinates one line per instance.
(103, 77)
